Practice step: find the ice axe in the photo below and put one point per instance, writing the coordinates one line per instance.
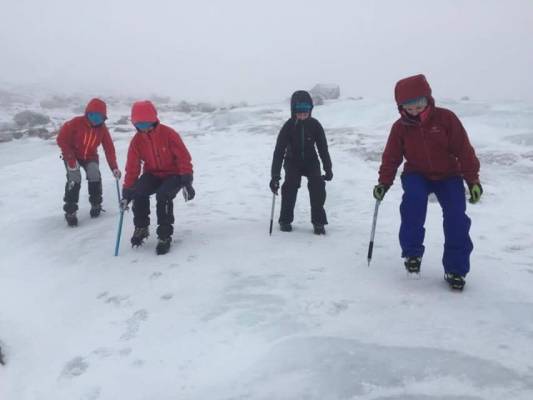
(121, 219)
(373, 232)
(272, 213)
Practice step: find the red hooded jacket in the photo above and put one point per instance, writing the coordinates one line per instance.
(435, 145)
(161, 150)
(79, 140)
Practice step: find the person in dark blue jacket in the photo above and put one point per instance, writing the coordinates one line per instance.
(296, 148)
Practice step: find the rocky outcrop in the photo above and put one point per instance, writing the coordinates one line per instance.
(28, 119)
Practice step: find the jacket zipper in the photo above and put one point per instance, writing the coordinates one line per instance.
(303, 142)
(90, 139)
(154, 152)
(426, 149)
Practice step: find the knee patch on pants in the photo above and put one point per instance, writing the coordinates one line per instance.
(93, 171)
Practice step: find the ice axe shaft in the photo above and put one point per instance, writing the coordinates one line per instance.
(272, 213)
(121, 219)
(373, 232)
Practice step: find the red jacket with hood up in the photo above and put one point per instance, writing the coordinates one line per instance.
(435, 144)
(79, 140)
(161, 151)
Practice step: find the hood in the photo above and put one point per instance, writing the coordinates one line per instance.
(412, 87)
(143, 111)
(96, 105)
(300, 96)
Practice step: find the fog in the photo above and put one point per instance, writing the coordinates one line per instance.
(262, 50)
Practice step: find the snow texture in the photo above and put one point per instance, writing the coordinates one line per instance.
(231, 313)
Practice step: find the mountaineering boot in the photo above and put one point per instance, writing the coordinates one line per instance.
(72, 219)
(319, 229)
(412, 264)
(163, 245)
(285, 227)
(456, 281)
(138, 236)
(96, 209)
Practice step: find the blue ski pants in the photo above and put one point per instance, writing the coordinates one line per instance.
(450, 193)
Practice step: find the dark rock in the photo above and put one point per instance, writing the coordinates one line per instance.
(317, 100)
(29, 118)
(160, 99)
(6, 136)
(184, 106)
(120, 129)
(206, 107)
(465, 98)
(42, 133)
(124, 120)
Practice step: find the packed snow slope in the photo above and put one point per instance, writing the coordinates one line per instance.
(231, 313)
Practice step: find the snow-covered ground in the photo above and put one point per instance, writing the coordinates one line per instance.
(231, 313)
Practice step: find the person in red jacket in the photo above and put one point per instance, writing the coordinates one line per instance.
(79, 139)
(438, 158)
(166, 168)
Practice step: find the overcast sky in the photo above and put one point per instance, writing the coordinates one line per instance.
(263, 50)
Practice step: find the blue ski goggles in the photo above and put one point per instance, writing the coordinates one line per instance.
(302, 107)
(95, 118)
(421, 101)
(144, 126)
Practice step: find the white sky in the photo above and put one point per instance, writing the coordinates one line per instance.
(263, 50)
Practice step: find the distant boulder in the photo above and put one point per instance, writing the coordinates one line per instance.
(124, 120)
(184, 107)
(28, 119)
(6, 136)
(42, 133)
(160, 99)
(206, 107)
(317, 100)
(326, 91)
(120, 129)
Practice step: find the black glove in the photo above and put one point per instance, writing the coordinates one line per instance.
(328, 175)
(186, 179)
(128, 193)
(188, 192)
(274, 184)
(127, 196)
(380, 190)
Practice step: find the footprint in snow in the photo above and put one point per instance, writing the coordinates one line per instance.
(156, 275)
(133, 324)
(75, 367)
(167, 296)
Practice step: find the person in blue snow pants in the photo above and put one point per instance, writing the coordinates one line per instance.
(438, 159)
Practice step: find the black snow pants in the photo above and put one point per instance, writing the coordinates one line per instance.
(317, 192)
(165, 190)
